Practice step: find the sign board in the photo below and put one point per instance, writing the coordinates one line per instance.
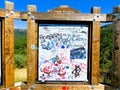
(63, 52)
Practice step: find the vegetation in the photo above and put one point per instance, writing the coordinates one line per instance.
(105, 52)
(20, 48)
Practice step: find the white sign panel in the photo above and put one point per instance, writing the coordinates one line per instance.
(63, 52)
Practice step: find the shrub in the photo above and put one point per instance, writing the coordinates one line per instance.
(20, 61)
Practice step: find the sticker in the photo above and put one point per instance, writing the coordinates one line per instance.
(65, 88)
(76, 71)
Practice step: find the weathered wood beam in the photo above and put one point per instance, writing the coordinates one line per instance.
(116, 49)
(7, 49)
(3, 52)
(95, 50)
(11, 14)
(9, 11)
(32, 8)
(9, 5)
(9, 52)
(96, 10)
(2, 13)
(31, 52)
(61, 87)
(109, 17)
(113, 16)
(65, 16)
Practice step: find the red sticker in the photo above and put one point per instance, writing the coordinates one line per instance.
(64, 88)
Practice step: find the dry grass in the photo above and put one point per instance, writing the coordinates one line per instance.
(21, 75)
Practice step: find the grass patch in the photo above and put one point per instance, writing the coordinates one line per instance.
(21, 75)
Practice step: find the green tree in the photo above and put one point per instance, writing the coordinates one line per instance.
(106, 54)
(20, 48)
(106, 48)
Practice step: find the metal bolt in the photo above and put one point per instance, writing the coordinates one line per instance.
(7, 16)
(32, 18)
(29, 13)
(32, 46)
(94, 19)
(92, 87)
(98, 16)
(11, 12)
(33, 86)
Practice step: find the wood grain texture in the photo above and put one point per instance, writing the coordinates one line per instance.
(11, 14)
(95, 53)
(2, 13)
(96, 10)
(36, 50)
(64, 8)
(7, 16)
(11, 88)
(3, 52)
(116, 54)
(31, 52)
(65, 16)
(62, 87)
(116, 48)
(9, 5)
(95, 48)
(31, 67)
(9, 52)
(31, 8)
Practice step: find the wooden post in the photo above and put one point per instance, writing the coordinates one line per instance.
(31, 44)
(8, 48)
(3, 51)
(9, 52)
(9, 5)
(116, 49)
(95, 48)
(31, 8)
(96, 10)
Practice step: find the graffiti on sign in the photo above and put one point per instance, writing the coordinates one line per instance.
(63, 52)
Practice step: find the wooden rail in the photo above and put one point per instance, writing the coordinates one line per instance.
(7, 16)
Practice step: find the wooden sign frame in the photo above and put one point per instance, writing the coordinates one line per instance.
(7, 17)
(64, 14)
(70, 25)
(61, 14)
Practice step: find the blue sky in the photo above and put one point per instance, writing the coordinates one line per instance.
(1, 3)
(44, 5)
